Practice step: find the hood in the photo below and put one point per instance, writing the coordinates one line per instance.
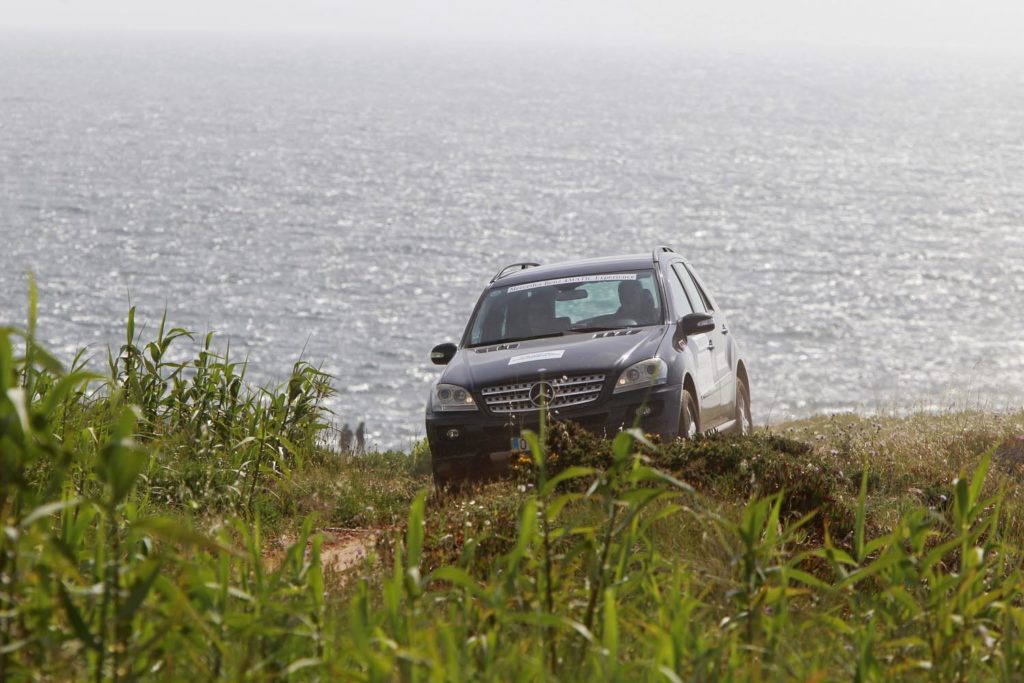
(572, 354)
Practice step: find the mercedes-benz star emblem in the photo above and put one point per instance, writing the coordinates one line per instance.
(541, 392)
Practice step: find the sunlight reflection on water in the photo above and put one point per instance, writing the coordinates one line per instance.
(861, 219)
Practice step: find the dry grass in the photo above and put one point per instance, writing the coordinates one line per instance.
(913, 460)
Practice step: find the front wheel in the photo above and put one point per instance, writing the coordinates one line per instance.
(744, 422)
(689, 420)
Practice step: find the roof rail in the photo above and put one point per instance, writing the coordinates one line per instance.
(661, 250)
(521, 266)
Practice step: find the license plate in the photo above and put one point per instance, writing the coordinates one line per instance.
(519, 444)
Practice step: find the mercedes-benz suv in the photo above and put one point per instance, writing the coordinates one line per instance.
(607, 343)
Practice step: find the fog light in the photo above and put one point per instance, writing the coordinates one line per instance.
(452, 433)
(644, 411)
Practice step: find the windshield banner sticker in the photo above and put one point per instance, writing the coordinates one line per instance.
(543, 355)
(573, 280)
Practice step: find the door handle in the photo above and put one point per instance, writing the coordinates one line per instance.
(725, 330)
(711, 345)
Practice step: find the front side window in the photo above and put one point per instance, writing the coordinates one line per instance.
(678, 294)
(700, 303)
(700, 289)
(564, 305)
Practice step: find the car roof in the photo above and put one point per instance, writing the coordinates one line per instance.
(605, 264)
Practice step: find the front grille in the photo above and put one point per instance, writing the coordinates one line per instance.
(524, 397)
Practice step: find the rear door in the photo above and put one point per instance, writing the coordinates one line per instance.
(725, 380)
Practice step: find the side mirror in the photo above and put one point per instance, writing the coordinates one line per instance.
(442, 354)
(693, 323)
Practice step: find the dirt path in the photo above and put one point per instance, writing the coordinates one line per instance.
(343, 549)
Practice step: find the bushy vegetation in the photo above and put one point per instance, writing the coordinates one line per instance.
(142, 512)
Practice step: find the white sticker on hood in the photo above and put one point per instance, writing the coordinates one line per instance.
(573, 280)
(542, 355)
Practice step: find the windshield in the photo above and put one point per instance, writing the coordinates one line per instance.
(564, 305)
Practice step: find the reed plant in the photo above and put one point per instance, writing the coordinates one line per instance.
(135, 507)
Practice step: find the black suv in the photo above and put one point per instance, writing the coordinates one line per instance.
(606, 343)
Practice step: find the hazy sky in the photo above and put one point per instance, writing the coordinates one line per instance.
(997, 24)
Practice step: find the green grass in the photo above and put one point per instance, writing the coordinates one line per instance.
(139, 511)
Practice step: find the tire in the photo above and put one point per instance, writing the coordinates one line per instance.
(689, 418)
(744, 422)
(442, 482)
(453, 483)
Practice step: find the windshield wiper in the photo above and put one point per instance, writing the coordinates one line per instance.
(507, 340)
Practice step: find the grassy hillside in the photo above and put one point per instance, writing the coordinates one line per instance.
(165, 521)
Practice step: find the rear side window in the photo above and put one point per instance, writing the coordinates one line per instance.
(700, 302)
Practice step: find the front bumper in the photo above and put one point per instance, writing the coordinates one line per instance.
(479, 443)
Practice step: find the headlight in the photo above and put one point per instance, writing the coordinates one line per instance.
(644, 374)
(449, 397)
